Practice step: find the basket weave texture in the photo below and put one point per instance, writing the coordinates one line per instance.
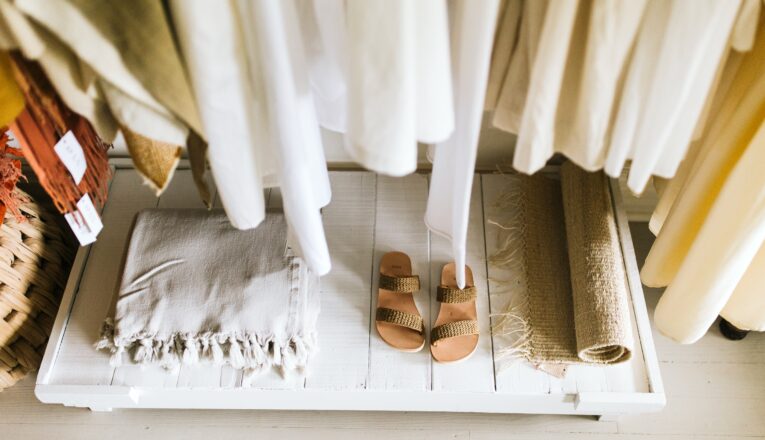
(35, 259)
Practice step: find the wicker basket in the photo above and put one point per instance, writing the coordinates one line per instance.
(35, 259)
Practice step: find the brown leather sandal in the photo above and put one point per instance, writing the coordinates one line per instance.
(398, 321)
(455, 333)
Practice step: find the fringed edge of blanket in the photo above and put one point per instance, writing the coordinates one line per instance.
(245, 351)
(512, 325)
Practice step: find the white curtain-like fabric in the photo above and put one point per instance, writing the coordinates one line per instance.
(258, 110)
(669, 80)
(454, 162)
(399, 81)
(323, 27)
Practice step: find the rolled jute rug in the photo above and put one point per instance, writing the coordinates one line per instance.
(569, 303)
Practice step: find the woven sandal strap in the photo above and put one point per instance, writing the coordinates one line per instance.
(447, 294)
(404, 319)
(402, 284)
(454, 329)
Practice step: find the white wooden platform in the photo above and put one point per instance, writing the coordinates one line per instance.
(355, 370)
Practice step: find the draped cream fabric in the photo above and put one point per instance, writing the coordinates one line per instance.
(736, 121)
(399, 81)
(605, 82)
(562, 79)
(708, 249)
(682, 73)
(504, 44)
(723, 254)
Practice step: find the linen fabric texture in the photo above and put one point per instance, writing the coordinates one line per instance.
(569, 303)
(257, 107)
(196, 289)
(710, 222)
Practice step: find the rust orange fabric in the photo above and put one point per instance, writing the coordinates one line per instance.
(41, 124)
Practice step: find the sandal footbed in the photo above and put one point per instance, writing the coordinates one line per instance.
(401, 338)
(459, 347)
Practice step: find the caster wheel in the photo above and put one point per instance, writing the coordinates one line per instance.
(731, 332)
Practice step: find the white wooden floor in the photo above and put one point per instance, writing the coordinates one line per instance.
(715, 388)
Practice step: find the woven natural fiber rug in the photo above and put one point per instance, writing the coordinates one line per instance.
(569, 305)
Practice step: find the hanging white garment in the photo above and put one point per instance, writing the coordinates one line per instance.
(679, 48)
(454, 162)
(248, 67)
(399, 81)
(323, 28)
(226, 104)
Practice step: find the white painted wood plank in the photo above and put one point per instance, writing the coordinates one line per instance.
(475, 374)
(646, 375)
(518, 377)
(343, 326)
(399, 226)
(67, 299)
(78, 362)
(181, 193)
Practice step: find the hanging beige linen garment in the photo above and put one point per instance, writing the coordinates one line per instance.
(399, 81)
(536, 134)
(680, 47)
(729, 135)
(504, 45)
(576, 66)
(536, 68)
(725, 248)
(591, 79)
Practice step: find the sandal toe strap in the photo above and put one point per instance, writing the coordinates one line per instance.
(397, 317)
(446, 294)
(454, 329)
(400, 284)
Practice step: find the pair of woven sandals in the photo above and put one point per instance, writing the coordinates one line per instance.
(455, 333)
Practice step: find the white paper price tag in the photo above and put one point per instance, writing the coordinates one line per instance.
(85, 222)
(71, 154)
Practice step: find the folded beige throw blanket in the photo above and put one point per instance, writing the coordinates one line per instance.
(194, 288)
(570, 303)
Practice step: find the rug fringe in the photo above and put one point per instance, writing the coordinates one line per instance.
(249, 352)
(512, 324)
